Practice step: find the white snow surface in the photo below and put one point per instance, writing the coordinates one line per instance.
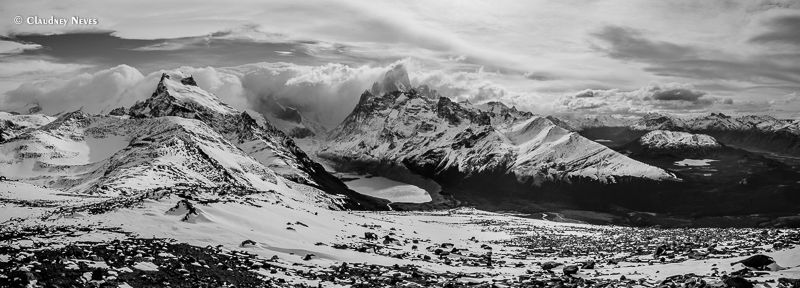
(264, 220)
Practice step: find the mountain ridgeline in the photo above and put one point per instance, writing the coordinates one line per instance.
(758, 133)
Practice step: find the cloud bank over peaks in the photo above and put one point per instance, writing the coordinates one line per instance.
(671, 97)
(328, 92)
(92, 92)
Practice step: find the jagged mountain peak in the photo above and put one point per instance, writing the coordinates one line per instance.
(179, 95)
(502, 114)
(75, 118)
(396, 79)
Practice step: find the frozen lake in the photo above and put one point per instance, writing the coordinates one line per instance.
(391, 190)
(694, 162)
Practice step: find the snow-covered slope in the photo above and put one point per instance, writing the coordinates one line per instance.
(159, 242)
(111, 155)
(12, 125)
(582, 121)
(669, 140)
(439, 136)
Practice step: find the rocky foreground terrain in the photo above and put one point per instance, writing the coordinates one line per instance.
(192, 239)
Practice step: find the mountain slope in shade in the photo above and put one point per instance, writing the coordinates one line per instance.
(752, 132)
(443, 139)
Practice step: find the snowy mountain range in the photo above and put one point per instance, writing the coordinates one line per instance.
(666, 141)
(180, 137)
(452, 142)
(756, 132)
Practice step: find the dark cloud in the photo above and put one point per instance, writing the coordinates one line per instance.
(219, 49)
(754, 70)
(784, 29)
(585, 94)
(674, 60)
(629, 44)
(677, 94)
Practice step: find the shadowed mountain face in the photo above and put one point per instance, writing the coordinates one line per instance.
(756, 133)
(749, 167)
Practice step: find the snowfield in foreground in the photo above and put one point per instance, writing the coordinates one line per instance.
(262, 239)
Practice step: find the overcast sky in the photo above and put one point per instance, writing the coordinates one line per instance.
(625, 57)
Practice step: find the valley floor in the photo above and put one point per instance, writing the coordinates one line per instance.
(258, 240)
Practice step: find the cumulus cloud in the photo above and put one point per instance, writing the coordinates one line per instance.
(327, 92)
(93, 92)
(20, 67)
(674, 97)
